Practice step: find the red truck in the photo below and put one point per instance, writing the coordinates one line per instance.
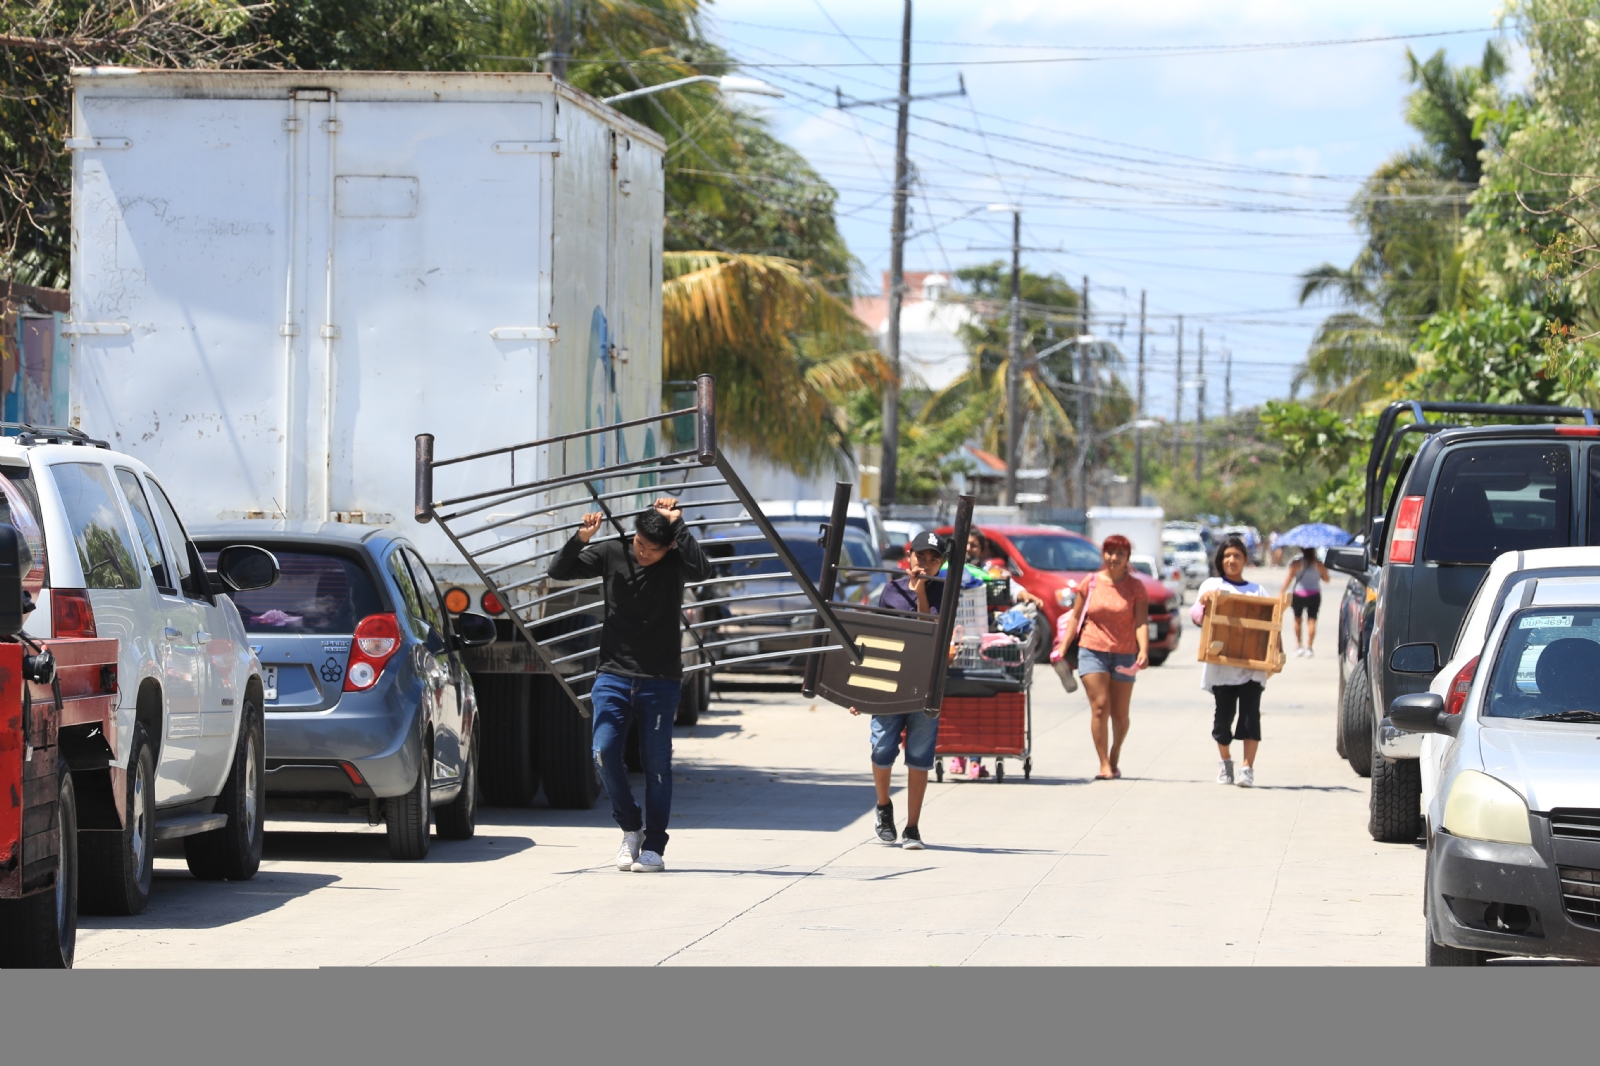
(57, 734)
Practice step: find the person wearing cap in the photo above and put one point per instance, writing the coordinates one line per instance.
(921, 591)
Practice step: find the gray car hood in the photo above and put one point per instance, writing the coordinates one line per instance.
(1552, 764)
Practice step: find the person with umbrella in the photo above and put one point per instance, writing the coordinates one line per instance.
(1306, 575)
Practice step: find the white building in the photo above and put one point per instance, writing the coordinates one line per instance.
(931, 352)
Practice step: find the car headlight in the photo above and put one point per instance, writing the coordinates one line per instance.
(1483, 808)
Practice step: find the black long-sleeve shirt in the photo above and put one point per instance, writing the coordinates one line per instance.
(641, 637)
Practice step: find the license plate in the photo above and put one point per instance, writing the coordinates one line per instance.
(1155, 631)
(269, 683)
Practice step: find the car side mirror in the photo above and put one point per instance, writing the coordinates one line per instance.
(245, 568)
(474, 630)
(15, 561)
(1348, 560)
(1423, 712)
(1415, 659)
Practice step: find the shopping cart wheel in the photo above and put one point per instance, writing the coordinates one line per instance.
(938, 769)
(999, 770)
(1027, 769)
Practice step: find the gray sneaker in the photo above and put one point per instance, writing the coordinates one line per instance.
(1225, 772)
(885, 826)
(912, 839)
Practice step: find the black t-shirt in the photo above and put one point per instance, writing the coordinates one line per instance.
(643, 603)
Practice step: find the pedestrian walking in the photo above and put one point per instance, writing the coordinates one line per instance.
(920, 590)
(1109, 619)
(1235, 690)
(1306, 575)
(640, 668)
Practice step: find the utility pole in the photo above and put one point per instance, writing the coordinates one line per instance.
(1085, 431)
(1138, 417)
(889, 476)
(1227, 381)
(1177, 408)
(1200, 416)
(561, 43)
(1014, 363)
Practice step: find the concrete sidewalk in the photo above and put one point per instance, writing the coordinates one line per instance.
(773, 860)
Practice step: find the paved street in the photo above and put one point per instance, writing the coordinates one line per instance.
(773, 860)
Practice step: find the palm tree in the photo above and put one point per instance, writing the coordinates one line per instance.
(786, 351)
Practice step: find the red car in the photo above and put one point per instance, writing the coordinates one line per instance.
(1044, 560)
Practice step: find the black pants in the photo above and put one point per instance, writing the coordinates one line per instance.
(1246, 700)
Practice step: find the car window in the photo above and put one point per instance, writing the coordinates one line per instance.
(807, 552)
(427, 591)
(19, 508)
(99, 531)
(316, 592)
(175, 534)
(1549, 664)
(144, 523)
(1043, 551)
(1143, 567)
(408, 591)
(1488, 501)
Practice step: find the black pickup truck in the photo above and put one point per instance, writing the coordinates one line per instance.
(1436, 515)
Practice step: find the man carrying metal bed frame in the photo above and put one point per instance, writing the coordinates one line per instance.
(641, 665)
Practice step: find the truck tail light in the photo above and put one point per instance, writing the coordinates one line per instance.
(1406, 522)
(1460, 685)
(71, 614)
(457, 601)
(492, 605)
(377, 639)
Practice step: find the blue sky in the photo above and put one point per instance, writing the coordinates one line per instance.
(1208, 180)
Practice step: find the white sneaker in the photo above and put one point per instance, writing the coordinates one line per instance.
(1309, 653)
(628, 854)
(1225, 772)
(649, 862)
(1247, 776)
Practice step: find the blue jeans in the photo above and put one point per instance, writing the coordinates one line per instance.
(651, 702)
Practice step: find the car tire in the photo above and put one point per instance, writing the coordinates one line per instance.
(40, 932)
(115, 867)
(508, 765)
(1158, 658)
(1396, 801)
(409, 817)
(458, 819)
(1355, 722)
(566, 751)
(690, 702)
(233, 852)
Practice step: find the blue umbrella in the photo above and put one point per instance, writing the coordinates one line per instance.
(1315, 535)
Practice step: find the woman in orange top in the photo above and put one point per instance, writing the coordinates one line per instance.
(1113, 646)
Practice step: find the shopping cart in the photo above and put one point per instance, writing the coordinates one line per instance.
(988, 705)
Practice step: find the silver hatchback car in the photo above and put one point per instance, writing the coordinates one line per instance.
(369, 711)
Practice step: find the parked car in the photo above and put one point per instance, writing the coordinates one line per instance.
(767, 577)
(1188, 550)
(901, 534)
(1045, 560)
(1509, 767)
(368, 709)
(1467, 495)
(863, 516)
(1169, 574)
(110, 558)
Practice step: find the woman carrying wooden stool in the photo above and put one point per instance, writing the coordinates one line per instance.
(1236, 690)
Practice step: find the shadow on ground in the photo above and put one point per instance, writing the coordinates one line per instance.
(179, 901)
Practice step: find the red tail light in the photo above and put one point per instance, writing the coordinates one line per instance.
(1403, 549)
(352, 773)
(1460, 685)
(491, 604)
(377, 639)
(71, 615)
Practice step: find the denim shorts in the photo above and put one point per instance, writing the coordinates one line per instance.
(1106, 662)
(922, 734)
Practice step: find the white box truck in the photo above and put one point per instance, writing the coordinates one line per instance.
(1141, 525)
(280, 278)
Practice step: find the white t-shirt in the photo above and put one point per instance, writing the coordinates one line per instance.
(1215, 673)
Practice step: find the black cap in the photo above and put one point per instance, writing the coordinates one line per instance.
(930, 542)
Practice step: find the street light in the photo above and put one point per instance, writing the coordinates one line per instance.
(728, 83)
(1014, 360)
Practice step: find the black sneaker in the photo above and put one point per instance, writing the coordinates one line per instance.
(886, 831)
(913, 839)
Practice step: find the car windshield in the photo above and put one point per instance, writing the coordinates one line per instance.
(1047, 551)
(315, 593)
(1186, 546)
(1549, 666)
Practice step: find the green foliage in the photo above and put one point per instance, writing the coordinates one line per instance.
(1493, 354)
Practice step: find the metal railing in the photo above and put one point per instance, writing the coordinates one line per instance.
(511, 509)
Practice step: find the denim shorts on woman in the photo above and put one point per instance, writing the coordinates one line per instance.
(922, 734)
(1118, 665)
